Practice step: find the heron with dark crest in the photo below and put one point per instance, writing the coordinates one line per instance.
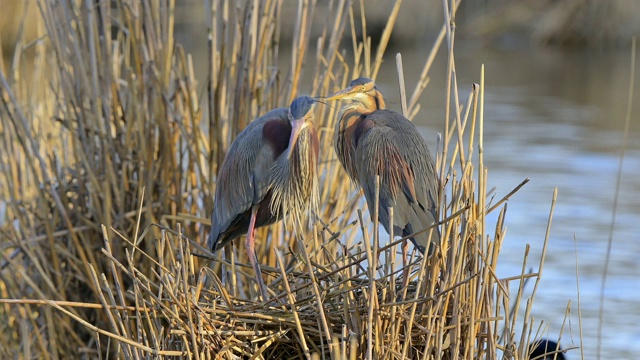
(269, 173)
(370, 140)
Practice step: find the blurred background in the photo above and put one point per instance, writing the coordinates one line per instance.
(557, 88)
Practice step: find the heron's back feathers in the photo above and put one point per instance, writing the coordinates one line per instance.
(387, 144)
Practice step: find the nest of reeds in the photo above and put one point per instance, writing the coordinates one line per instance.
(108, 175)
(322, 303)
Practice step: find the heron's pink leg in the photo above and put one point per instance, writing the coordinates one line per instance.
(405, 258)
(251, 251)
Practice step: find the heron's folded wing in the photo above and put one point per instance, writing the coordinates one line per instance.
(243, 179)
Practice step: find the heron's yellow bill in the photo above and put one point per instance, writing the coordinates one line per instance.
(342, 94)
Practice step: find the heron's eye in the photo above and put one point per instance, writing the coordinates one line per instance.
(362, 87)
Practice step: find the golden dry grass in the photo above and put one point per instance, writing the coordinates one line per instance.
(108, 170)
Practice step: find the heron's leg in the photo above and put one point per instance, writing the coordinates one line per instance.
(223, 277)
(405, 258)
(251, 251)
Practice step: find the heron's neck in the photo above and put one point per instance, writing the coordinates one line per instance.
(373, 101)
(349, 118)
(295, 179)
(350, 113)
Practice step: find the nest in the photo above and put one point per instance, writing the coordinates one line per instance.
(323, 304)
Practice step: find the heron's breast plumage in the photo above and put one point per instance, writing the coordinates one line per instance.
(295, 180)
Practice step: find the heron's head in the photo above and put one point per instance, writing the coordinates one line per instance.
(301, 116)
(361, 89)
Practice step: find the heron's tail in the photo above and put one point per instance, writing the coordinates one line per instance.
(214, 241)
(428, 240)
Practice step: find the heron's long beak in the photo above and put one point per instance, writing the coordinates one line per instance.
(342, 94)
(297, 126)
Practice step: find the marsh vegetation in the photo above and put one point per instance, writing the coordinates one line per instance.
(109, 162)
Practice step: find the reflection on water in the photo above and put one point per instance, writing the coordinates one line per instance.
(555, 117)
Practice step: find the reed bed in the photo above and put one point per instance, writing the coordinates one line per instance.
(110, 147)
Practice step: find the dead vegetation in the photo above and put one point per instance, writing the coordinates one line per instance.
(108, 167)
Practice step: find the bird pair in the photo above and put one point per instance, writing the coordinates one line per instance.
(270, 170)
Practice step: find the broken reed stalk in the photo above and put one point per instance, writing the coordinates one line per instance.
(115, 145)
